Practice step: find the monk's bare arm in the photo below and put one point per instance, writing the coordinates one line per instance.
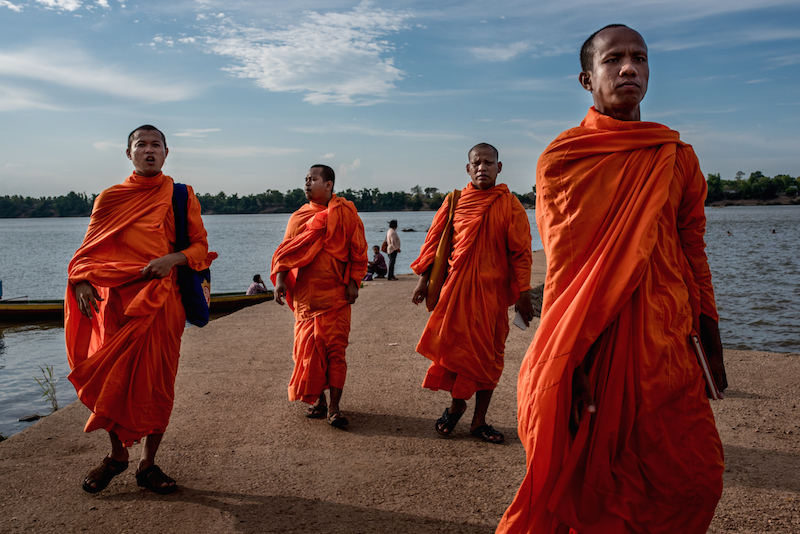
(280, 286)
(351, 293)
(421, 291)
(581, 392)
(524, 306)
(161, 267)
(87, 297)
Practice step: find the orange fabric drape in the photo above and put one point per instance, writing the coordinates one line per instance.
(620, 212)
(124, 359)
(489, 266)
(324, 248)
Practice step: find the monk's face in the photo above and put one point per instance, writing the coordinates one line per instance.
(318, 190)
(618, 80)
(483, 167)
(147, 152)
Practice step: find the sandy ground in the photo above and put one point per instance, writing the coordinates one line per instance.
(248, 461)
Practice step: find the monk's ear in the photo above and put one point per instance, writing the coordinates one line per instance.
(166, 152)
(585, 79)
(128, 153)
(499, 166)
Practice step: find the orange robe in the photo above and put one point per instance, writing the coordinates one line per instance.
(323, 249)
(124, 359)
(620, 212)
(490, 265)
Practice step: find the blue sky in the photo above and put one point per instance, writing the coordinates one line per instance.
(389, 94)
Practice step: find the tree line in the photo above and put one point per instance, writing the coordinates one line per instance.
(270, 201)
(756, 187)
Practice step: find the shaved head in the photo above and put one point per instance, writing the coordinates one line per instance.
(146, 128)
(588, 49)
(484, 145)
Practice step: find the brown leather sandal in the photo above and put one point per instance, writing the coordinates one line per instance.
(101, 475)
(153, 479)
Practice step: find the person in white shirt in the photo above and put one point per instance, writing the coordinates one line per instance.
(393, 247)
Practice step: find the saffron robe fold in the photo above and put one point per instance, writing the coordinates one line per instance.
(323, 249)
(490, 265)
(620, 212)
(125, 358)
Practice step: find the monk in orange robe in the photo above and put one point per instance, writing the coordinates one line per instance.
(318, 269)
(613, 410)
(489, 269)
(123, 312)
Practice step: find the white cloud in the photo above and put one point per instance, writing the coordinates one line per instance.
(332, 57)
(162, 40)
(760, 80)
(72, 68)
(103, 3)
(374, 132)
(9, 5)
(237, 152)
(344, 169)
(785, 61)
(105, 145)
(16, 98)
(63, 5)
(329, 155)
(187, 40)
(196, 132)
(500, 53)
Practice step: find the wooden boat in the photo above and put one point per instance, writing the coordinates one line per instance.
(24, 310)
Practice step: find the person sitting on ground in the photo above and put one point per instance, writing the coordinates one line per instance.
(258, 286)
(378, 264)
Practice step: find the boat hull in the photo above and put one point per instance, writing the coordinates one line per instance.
(23, 311)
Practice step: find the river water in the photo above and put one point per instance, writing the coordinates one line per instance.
(756, 276)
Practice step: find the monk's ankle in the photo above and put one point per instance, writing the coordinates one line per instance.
(458, 406)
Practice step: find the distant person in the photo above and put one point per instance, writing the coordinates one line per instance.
(392, 247)
(318, 269)
(378, 264)
(123, 315)
(612, 403)
(258, 286)
(490, 269)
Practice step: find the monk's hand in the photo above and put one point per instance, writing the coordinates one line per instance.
(161, 267)
(87, 297)
(421, 291)
(525, 307)
(352, 291)
(712, 344)
(280, 287)
(581, 398)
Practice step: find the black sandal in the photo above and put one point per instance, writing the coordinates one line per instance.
(447, 422)
(317, 411)
(338, 420)
(102, 474)
(153, 477)
(488, 434)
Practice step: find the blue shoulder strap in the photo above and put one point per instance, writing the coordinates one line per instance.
(180, 198)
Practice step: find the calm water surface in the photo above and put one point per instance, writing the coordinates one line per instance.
(756, 277)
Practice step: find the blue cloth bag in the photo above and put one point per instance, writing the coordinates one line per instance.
(195, 286)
